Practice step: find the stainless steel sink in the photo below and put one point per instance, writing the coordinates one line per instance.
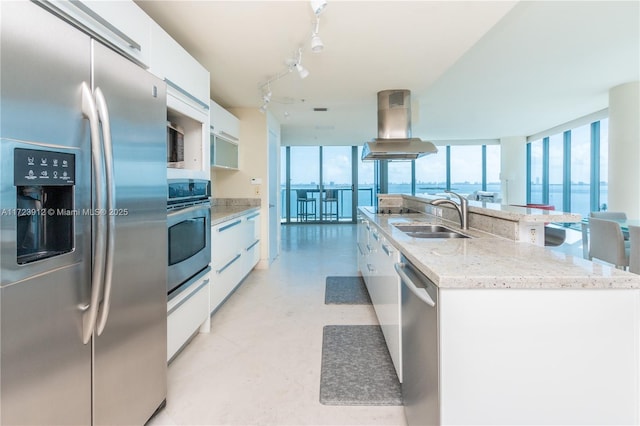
(429, 231)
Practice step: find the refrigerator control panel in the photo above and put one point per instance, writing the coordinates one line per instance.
(36, 167)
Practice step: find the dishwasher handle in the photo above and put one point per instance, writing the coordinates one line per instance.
(420, 293)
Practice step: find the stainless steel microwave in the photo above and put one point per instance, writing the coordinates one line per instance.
(175, 146)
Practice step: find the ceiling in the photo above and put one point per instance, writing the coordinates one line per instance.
(477, 70)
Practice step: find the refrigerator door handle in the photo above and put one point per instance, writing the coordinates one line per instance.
(103, 115)
(90, 112)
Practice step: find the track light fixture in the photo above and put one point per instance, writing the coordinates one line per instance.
(316, 43)
(317, 46)
(318, 6)
(302, 71)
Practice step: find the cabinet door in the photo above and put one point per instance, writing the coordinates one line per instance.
(224, 123)
(226, 242)
(123, 24)
(225, 153)
(226, 259)
(251, 241)
(363, 250)
(388, 307)
(183, 74)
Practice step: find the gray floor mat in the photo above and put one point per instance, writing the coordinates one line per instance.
(357, 368)
(346, 291)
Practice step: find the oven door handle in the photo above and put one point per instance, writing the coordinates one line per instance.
(173, 214)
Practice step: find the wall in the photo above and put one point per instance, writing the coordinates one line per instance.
(513, 169)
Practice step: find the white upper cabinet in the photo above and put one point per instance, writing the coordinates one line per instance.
(121, 25)
(186, 78)
(224, 123)
(224, 138)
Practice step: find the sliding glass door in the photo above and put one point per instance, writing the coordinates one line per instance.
(317, 184)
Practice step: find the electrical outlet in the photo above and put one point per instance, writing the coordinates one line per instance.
(533, 235)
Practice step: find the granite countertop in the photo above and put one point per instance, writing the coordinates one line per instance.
(489, 261)
(222, 213)
(513, 213)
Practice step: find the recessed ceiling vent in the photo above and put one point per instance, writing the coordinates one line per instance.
(320, 109)
(394, 141)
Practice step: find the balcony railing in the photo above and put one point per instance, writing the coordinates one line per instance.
(315, 206)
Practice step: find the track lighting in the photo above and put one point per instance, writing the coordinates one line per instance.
(316, 43)
(302, 71)
(318, 6)
(317, 46)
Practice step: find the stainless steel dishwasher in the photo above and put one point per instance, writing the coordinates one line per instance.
(420, 386)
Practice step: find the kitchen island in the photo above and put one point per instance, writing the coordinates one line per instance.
(525, 334)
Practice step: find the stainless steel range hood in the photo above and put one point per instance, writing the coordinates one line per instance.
(394, 141)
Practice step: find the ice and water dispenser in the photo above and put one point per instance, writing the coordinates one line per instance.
(44, 182)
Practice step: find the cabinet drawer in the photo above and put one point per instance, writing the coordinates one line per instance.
(185, 313)
(224, 280)
(226, 242)
(251, 257)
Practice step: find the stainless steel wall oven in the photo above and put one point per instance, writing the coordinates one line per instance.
(189, 230)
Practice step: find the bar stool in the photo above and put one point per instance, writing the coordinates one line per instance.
(306, 205)
(330, 199)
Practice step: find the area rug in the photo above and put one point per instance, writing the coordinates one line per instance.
(357, 368)
(346, 291)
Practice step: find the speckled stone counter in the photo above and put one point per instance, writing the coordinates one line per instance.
(223, 209)
(512, 222)
(490, 261)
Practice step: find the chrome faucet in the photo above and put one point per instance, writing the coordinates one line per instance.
(463, 208)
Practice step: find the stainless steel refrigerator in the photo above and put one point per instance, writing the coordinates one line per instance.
(82, 225)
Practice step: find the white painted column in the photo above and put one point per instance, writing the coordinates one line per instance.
(624, 149)
(513, 169)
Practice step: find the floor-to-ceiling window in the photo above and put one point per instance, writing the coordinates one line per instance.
(535, 172)
(603, 154)
(466, 168)
(304, 177)
(568, 169)
(581, 169)
(431, 173)
(309, 171)
(367, 188)
(399, 177)
(556, 171)
(337, 188)
(492, 169)
(317, 183)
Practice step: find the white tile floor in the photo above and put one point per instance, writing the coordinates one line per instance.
(260, 365)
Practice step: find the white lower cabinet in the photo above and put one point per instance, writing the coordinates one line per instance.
(387, 300)
(251, 242)
(538, 356)
(187, 312)
(383, 285)
(235, 251)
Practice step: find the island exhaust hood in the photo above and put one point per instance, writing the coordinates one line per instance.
(394, 141)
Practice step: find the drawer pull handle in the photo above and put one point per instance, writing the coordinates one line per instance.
(183, 301)
(221, 270)
(252, 245)
(231, 225)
